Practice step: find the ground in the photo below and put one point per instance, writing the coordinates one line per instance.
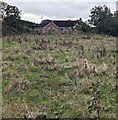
(59, 76)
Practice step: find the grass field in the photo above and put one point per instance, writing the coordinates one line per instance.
(59, 76)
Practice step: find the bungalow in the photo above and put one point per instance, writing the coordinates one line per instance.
(57, 26)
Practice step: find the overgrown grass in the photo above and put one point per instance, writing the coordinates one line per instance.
(48, 75)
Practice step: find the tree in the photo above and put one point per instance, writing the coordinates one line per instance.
(12, 12)
(9, 11)
(82, 26)
(102, 18)
(115, 26)
(2, 9)
(116, 16)
(11, 22)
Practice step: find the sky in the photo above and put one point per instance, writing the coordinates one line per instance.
(38, 10)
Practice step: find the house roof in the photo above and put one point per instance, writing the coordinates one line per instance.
(59, 23)
(44, 23)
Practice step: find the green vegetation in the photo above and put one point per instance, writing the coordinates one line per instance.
(12, 23)
(104, 21)
(59, 76)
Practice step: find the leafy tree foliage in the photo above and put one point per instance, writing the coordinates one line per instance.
(11, 22)
(104, 20)
(82, 26)
(9, 11)
(12, 12)
(2, 9)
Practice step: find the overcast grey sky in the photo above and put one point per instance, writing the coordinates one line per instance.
(58, 9)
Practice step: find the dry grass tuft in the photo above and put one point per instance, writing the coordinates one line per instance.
(17, 86)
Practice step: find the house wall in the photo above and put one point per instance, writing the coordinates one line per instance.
(66, 30)
(50, 28)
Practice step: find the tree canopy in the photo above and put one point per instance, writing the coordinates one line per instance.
(104, 21)
(11, 21)
(9, 11)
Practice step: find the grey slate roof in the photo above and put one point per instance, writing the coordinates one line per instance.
(59, 23)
